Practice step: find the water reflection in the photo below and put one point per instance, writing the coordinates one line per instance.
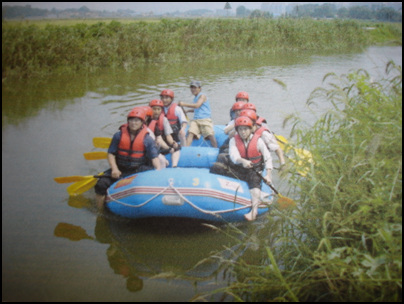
(157, 249)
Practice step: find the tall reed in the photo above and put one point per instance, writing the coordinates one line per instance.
(32, 50)
(344, 240)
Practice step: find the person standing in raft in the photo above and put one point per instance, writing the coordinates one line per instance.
(175, 116)
(130, 151)
(202, 122)
(248, 155)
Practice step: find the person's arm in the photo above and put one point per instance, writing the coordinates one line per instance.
(272, 145)
(181, 117)
(156, 163)
(152, 151)
(112, 150)
(115, 172)
(229, 127)
(267, 159)
(196, 105)
(235, 156)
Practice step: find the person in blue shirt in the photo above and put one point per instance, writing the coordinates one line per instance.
(132, 150)
(202, 123)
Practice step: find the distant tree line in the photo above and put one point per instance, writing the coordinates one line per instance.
(14, 11)
(326, 10)
(22, 11)
(329, 10)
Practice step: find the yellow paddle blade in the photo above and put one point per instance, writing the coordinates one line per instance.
(303, 157)
(302, 161)
(95, 155)
(101, 142)
(81, 187)
(71, 179)
(285, 202)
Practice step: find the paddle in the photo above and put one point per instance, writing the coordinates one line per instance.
(95, 155)
(283, 201)
(74, 178)
(102, 142)
(81, 183)
(185, 113)
(303, 155)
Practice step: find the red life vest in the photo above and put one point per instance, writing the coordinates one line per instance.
(172, 118)
(251, 151)
(134, 149)
(260, 131)
(157, 122)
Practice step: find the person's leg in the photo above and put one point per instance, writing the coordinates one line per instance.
(175, 157)
(190, 138)
(213, 141)
(207, 130)
(255, 201)
(101, 187)
(193, 131)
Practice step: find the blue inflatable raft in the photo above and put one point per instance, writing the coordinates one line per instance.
(196, 157)
(183, 192)
(219, 135)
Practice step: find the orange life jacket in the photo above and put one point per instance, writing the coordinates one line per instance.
(251, 151)
(159, 123)
(173, 119)
(261, 130)
(131, 154)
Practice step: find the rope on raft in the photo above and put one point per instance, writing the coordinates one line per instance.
(171, 186)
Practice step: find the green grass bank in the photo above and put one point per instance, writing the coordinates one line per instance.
(33, 50)
(343, 241)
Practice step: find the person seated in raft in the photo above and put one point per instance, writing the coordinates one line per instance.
(236, 109)
(248, 155)
(130, 151)
(161, 128)
(229, 129)
(202, 122)
(240, 96)
(260, 125)
(175, 116)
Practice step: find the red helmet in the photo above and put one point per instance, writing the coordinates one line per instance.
(243, 121)
(156, 103)
(243, 95)
(137, 112)
(167, 93)
(250, 114)
(238, 105)
(146, 109)
(250, 106)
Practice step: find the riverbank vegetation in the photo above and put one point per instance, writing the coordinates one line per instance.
(30, 51)
(343, 242)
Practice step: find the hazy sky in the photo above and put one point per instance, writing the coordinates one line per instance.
(156, 7)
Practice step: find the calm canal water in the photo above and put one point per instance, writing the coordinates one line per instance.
(57, 248)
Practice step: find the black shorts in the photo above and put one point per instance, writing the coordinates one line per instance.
(224, 166)
(106, 181)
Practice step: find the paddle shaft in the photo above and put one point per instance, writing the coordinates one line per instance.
(185, 113)
(75, 178)
(265, 181)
